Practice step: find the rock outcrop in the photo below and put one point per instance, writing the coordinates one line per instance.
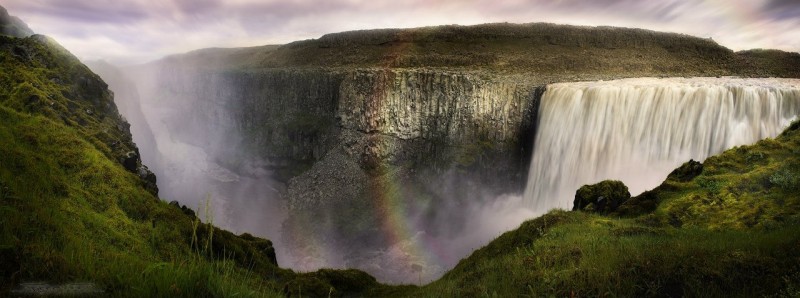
(13, 26)
(603, 197)
(126, 98)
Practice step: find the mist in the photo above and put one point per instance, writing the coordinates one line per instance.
(203, 159)
(196, 168)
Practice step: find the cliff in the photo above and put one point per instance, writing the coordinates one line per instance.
(13, 26)
(127, 100)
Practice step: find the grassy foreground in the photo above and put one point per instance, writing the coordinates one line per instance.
(733, 230)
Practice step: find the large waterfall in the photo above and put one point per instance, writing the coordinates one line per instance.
(638, 130)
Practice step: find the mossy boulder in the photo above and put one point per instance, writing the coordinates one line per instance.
(686, 171)
(331, 283)
(603, 197)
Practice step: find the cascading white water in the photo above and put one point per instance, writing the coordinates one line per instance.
(638, 130)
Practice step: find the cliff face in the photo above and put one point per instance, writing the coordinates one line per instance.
(126, 98)
(13, 26)
(452, 107)
(295, 116)
(334, 137)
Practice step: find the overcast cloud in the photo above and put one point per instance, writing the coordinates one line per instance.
(134, 31)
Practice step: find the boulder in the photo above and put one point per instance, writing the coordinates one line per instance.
(603, 197)
(686, 171)
(186, 210)
(131, 161)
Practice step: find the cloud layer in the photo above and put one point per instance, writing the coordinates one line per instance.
(134, 31)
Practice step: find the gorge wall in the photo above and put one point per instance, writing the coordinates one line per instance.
(329, 141)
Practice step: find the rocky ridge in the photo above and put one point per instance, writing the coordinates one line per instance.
(13, 26)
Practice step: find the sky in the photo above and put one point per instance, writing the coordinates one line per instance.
(137, 31)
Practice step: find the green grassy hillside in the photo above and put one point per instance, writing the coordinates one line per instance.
(75, 202)
(70, 214)
(536, 52)
(73, 208)
(731, 230)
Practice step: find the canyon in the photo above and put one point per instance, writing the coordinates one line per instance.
(384, 144)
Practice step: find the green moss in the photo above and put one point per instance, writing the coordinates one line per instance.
(589, 255)
(785, 178)
(602, 197)
(69, 213)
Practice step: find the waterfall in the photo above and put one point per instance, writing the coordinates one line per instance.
(639, 130)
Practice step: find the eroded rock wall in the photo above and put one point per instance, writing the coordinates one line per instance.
(346, 144)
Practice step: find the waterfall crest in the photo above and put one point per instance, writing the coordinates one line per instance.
(638, 130)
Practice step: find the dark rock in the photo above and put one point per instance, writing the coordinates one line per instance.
(149, 179)
(21, 53)
(603, 197)
(686, 171)
(188, 211)
(184, 209)
(262, 246)
(33, 100)
(644, 203)
(13, 26)
(794, 126)
(131, 161)
(330, 283)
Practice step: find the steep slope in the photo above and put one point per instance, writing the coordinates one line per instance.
(126, 98)
(77, 205)
(41, 77)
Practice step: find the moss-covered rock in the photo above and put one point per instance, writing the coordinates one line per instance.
(603, 197)
(330, 283)
(686, 171)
